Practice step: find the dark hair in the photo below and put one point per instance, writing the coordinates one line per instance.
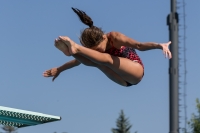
(91, 36)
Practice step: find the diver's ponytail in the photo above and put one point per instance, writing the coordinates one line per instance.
(83, 17)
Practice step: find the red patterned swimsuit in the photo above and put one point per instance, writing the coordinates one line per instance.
(126, 52)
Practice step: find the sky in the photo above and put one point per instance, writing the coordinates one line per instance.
(84, 97)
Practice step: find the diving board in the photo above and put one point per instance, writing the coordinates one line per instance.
(22, 118)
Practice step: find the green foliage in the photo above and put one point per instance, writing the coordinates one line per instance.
(122, 123)
(194, 122)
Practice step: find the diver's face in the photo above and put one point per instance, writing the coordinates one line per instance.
(101, 47)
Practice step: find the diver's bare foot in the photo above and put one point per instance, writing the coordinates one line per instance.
(73, 47)
(62, 47)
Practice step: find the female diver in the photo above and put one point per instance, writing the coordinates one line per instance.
(113, 53)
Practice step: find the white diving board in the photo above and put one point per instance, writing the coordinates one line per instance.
(22, 118)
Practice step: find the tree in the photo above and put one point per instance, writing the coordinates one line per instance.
(194, 122)
(122, 123)
(9, 129)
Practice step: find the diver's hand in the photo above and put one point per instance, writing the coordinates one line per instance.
(54, 72)
(166, 51)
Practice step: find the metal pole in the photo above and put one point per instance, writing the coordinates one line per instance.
(172, 21)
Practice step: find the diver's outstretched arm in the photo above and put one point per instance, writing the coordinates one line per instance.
(68, 65)
(120, 39)
(54, 72)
